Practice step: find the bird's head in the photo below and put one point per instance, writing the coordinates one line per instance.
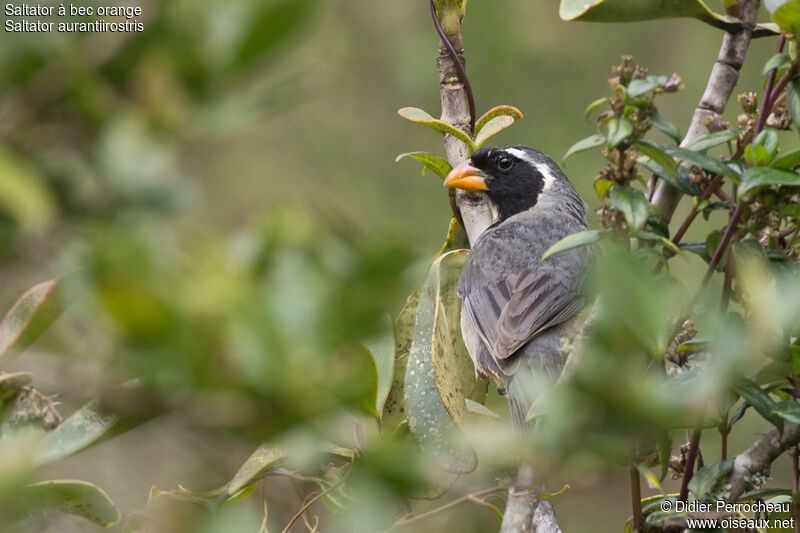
(514, 177)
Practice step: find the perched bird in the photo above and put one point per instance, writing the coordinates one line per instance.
(514, 306)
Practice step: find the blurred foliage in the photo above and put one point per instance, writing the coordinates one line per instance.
(213, 199)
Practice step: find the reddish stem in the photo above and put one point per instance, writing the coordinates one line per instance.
(688, 470)
(636, 500)
(726, 240)
(768, 93)
(710, 188)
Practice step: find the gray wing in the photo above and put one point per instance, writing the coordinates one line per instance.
(509, 297)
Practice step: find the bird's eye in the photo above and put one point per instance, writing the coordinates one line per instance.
(504, 163)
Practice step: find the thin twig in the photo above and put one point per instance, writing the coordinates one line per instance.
(458, 501)
(709, 190)
(462, 73)
(636, 500)
(310, 502)
(765, 103)
(727, 237)
(688, 470)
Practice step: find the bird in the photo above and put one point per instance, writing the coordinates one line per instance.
(516, 307)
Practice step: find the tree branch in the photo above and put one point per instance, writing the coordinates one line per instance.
(721, 82)
(759, 456)
(455, 110)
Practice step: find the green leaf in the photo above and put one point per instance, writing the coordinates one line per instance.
(633, 205)
(709, 140)
(657, 155)
(788, 161)
(618, 130)
(639, 87)
(588, 143)
(778, 61)
(576, 240)
(262, 462)
(788, 410)
(438, 165)
(480, 409)
(74, 497)
(701, 160)
(666, 127)
(759, 176)
(497, 111)
(756, 155)
(650, 477)
(419, 116)
(10, 386)
(768, 138)
(492, 127)
(431, 411)
(758, 399)
(793, 101)
(601, 186)
(272, 26)
(30, 316)
(707, 477)
(594, 105)
(381, 350)
(83, 428)
(24, 197)
(394, 411)
(787, 16)
(636, 10)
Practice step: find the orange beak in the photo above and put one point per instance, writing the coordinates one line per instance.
(467, 178)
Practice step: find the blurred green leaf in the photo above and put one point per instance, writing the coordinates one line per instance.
(709, 140)
(431, 162)
(651, 478)
(594, 105)
(394, 408)
(588, 143)
(276, 22)
(768, 138)
(633, 205)
(602, 186)
(10, 386)
(639, 87)
(788, 410)
(657, 155)
(75, 497)
(701, 160)
(778, 61)
(635, 10)
(83, 428)
(707, 477)
(666, 127)
(497, 111)
(428, 417)
(793, 97)
(24, 195)
(788, 161)
(787, 16)
(758, 176)
(30, 316)
(758, 399)
(492, 127)
(265, 460)
(618, 130)
(576, 240)
(381, 350)
(419, 116)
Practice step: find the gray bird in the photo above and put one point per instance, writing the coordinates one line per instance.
(515, 307)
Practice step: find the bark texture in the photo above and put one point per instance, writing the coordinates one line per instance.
(759, 456)
(721, 82)
(474, 210)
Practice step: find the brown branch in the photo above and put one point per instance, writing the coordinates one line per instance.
(688, 470)
(636, 500)
(759, 456)
(727, 237)
(721, 82)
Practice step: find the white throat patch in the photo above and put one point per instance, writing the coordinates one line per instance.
(544, 170)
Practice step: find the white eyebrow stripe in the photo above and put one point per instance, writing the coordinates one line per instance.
(544, 170)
